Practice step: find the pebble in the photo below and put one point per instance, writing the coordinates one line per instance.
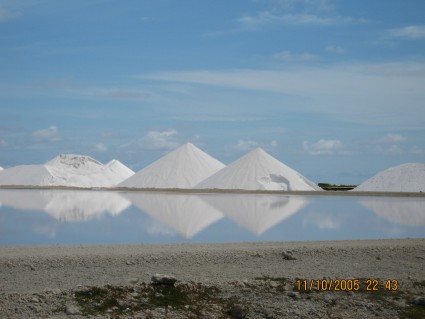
(274, 284)
(35, 299)
(72, 310)
(288, 256)
(238, 311)
(420, 301)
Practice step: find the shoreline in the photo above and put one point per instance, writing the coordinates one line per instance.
(220, 191)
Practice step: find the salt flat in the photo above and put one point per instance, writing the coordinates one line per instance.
(42, 281)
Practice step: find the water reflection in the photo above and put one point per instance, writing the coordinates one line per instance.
(257, 213)
(187, 214)
(88, 216)
(401, 211)
(65, 205)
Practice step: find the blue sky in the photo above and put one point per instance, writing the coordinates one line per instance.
(334, 89)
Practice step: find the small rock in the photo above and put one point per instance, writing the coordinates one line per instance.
(238, 311)
(288, 256)
(72, 310)
(35, 299)
(267, 314)
(165, 280)
(128, 262)
(420, 301)
(134, 280)
(292, 294)
(274, 284)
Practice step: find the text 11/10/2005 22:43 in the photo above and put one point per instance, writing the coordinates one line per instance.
(346, 284)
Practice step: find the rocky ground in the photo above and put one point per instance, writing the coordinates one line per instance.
(248, 280)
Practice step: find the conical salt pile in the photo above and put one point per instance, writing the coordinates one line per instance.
(120, 169)
(403, 178)
(258, 170)
(183, 168)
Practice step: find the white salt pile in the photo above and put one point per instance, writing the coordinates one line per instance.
(183, 168)
(403, 178)
(258, 170)
(66, 170)
(26, 175)
(120, 169)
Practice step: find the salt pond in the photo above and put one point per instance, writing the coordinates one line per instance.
(29, 217)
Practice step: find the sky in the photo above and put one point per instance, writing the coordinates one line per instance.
(334, 89)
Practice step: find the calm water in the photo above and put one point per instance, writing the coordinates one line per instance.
(96, 217)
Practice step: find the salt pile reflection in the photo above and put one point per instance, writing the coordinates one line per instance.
(101, 217)
(187, 214)
(401, 211)
(64, 205)
(257, 213)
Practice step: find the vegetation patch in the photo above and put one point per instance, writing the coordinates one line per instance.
(413, 312)
(99, 300)
(116, 301)
(336, 187)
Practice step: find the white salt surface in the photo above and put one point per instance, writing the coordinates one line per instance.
(183, 168)
(258, 170)
(403, 178)
(66, 170)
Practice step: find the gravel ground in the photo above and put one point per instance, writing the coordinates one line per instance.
(243, 280)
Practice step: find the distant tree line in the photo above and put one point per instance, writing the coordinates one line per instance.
(336, 187)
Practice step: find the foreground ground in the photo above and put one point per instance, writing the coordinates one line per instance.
(247, 280)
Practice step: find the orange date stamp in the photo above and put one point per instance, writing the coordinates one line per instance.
(304, 285)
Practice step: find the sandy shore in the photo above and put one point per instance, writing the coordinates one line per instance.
(42, 281)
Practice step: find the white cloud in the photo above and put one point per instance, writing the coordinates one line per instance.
(100, 147)
(410, 32)
(288, 56)
(246, 145)
(50, 134)
(335, 49)
(119, 94)
(417, 150)
(316, 5)
(390, 144)
(392, 139)
(155, 140)
(303, 19)
(273, 144)
(323, 147)
(344, 91)
(7, 15)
